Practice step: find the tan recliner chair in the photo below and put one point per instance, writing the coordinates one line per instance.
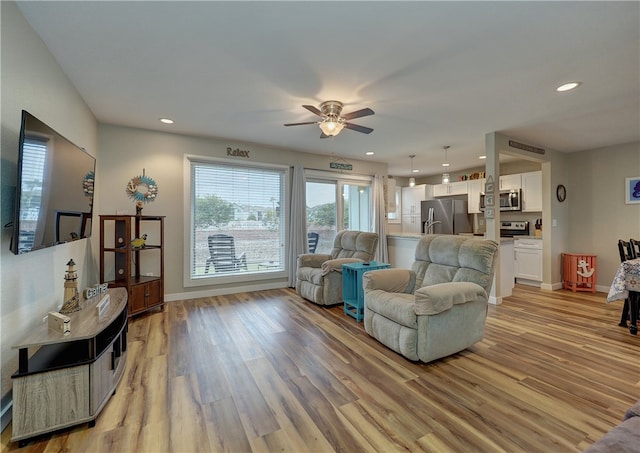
(319, 276)
(439, 306)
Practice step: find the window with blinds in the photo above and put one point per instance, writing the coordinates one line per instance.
(34, 155)
(237, 225)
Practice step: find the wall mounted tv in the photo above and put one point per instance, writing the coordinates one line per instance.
(54, 193)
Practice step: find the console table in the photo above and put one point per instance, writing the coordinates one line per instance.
(352, 292)
(70, 378)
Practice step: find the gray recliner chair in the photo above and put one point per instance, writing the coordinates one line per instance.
(319, 276)
(439, 306)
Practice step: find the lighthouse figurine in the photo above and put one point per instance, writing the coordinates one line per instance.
(71, 296)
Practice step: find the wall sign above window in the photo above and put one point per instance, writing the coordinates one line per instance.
(340, 166)
(237, 152)
(522, 146)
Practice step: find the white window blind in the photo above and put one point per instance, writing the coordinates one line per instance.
(237, 219)
(34, 154)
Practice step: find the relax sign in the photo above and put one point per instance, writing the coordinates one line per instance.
(237, 152)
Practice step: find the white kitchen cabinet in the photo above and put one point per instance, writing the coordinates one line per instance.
(528, 260)
(412, 224)
(441, 190)
(453, 188)
(511, 182)
(474, 188)
(532, 191)
(411, 199)
(428, 191)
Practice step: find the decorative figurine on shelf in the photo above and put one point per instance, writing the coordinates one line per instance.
(71, 296)
(141, 189)
(139, 243)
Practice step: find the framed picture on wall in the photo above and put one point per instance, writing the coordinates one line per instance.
(632, 190)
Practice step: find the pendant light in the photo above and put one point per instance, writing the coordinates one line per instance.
(445, 176)
(412, 180)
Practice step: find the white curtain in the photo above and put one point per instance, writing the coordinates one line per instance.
(297, 222)
(379, 219)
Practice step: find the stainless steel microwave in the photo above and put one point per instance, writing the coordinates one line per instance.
(508, 200)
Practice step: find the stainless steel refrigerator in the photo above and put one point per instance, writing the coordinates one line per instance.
(445, 216)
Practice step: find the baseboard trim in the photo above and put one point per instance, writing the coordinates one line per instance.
(224, 291)
(493, 300)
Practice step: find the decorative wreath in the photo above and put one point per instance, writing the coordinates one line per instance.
(138, 196)
(87, 184)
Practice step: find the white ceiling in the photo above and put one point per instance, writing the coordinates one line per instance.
(435, 73)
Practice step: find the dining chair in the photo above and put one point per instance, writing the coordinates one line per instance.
(628, 250)
(222, 253)
(634, 248)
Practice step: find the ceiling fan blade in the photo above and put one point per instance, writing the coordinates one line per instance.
(355, 127)
(358, 114)
(313, 110)
(300, 124)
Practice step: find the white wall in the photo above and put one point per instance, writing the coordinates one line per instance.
(33, 284)
(598, 215)
(124, 152)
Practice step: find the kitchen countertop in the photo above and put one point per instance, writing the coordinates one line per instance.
(418, 236)
(404, 236)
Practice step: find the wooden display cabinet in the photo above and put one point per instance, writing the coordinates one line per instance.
(140, 270)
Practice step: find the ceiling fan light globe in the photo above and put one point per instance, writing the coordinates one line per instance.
(330, 127)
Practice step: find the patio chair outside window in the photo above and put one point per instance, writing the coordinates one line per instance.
(222, 252)
(312, 239)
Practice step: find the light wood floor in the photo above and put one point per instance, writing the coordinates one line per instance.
(267, 371)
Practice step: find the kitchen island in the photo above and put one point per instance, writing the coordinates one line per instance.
(402, 247)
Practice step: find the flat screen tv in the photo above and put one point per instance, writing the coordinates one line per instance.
(54, 193)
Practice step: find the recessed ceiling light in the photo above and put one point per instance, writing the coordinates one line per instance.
(568, 86)
(369, 153)
(482, 157)
(415, 171)
(446, 164)
(166, 120)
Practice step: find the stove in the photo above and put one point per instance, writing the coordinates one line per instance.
(509, 229)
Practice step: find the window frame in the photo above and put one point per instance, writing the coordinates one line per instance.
(188, 220)
(340, 181)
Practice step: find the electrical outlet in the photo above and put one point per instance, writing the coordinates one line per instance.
(554, 222)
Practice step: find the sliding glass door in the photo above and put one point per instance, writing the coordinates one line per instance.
(335, 204)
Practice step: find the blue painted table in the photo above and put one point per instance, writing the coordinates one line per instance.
(352, 292)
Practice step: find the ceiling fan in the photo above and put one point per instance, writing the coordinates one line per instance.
(332, 122)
